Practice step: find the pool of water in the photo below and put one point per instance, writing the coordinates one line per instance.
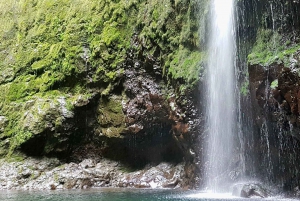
(118, 195)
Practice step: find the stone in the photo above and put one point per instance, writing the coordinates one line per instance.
(87, 163)
(250, 190)
(3, 123)
(6, 75)
(47, 174)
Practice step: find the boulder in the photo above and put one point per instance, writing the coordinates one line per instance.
(250, 190)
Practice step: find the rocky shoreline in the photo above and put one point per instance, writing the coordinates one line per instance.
(51, 174)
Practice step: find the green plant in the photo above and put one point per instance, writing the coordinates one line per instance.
(274, 84)
(245, 88)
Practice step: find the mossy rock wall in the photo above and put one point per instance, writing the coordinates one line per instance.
(57, 56)
(269, 32)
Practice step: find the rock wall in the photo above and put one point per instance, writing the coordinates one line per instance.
(102, 79)
(272, 51)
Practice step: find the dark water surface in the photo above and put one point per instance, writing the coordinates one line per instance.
(118, 195)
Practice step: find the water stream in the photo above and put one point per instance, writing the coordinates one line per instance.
(220, 87)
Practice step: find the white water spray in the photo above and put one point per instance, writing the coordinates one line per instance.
(221, 101)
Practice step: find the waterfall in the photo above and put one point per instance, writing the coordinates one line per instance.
(221, 101)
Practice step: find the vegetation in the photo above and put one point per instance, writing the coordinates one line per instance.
(270, 47)
(245, 88)
(172, 30)
(60, 50)
(111, 117)
(274, 84)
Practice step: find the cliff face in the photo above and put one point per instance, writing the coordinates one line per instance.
(91, 79)
(272, 48)
(120, 80)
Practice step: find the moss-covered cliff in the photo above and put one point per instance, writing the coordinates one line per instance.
(117, 79)
(100, 78)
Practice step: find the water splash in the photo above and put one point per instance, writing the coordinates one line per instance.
(220, 87)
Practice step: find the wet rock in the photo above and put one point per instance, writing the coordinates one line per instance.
(162, 176)
(252, 190)
(81, 101)
(15, 175)
(45, 122)
(45, 114)
(280, 102)
(296, 191)
(135, 128)
(275, 102)
(87, 163)
(49, 174)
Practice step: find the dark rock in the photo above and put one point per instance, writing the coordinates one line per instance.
(52, 187)
(251, 190)
(277, 123)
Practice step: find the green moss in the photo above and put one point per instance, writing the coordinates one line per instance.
(15, 157)
(187, 65)
(31, 116)
(274, 84)
(17, 90)
(18, 139)
(29, 85)
(110, 34)
(51, 36)
(177, 33)
(63, 48)
(48, 47)
(245, 88)
(111, 113)
(111, 117)
(270, 48)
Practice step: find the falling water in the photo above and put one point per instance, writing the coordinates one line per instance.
(220, 87)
